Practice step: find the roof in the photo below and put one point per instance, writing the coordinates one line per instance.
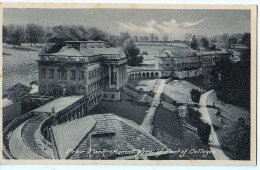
(65, 51)
(75, 130)
(178, 52)
(58, 104)
(105, 50)
(90, 41)
(128, 135)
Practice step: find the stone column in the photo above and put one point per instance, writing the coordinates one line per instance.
(124, 74)
(121, 75)
(125, 71)
(109, 76)
(117, 77)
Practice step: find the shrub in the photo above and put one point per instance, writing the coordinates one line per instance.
(195, 95)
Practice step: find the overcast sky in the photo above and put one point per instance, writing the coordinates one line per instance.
(175, 22)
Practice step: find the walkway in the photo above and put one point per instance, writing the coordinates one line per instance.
(148, 119)
(18, 149)
(28, 134)
(214, 144)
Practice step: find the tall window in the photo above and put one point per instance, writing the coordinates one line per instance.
(73, 90)
(81, 75)
(43, 73)
(73, 74)
(89, 74)
(62, 74)
(51, 73)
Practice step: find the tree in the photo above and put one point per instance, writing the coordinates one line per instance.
(132, 52)
(231, 40)
(232, 80)
(96, 34)
(194, 43)
(15, 35)
(123, 36)
(195, 95)
(165, 38)
(4, 34)
(246, 39)
(204, 42)
(19, 93)
(135, 38)
(224, 37)
(152, 38)
(34, 33)
(113, 40)
(237, 140)
(145, 38)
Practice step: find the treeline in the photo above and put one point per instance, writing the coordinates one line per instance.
(56, 37)
(217, 41)
(151, 38)
(232, 80)
(32, 33)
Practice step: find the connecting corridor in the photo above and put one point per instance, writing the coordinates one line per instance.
(148, 119)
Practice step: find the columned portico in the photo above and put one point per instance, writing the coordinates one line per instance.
(116, 76)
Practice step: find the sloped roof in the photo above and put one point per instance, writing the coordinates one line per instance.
(75, 130)
(105, 50)
(178, 52)
(69, 51)
(128, 135)
(65, 51)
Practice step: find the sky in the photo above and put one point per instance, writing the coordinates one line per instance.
(175, 23)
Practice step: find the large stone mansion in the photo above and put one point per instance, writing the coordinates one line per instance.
(83, 68)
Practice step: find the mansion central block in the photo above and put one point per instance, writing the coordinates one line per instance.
(85, 68)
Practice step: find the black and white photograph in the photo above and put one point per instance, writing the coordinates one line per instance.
(129, 84)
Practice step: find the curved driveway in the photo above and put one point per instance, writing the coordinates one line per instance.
(214, 144)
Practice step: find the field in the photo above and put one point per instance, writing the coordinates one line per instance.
(146, 85)
(179, 90)
(19, 65)
(153, 51)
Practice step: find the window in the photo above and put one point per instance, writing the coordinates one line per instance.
(51, 73)
(62, 74)
(73, 74)
(89, 74)
(81, 75)
(50, 90)
(42, 90)
(73, 90)
(43, 73)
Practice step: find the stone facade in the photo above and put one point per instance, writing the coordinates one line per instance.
(78, 69)
(183, 63)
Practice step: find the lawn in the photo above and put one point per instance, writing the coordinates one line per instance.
(146, 85)
(19, 65)
(179, 91)
(199, 82)
(231, 114)
(122, 109)
(174, 136)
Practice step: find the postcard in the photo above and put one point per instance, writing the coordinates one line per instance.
(128, 84)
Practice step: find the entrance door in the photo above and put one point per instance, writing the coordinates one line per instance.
(58, 93)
